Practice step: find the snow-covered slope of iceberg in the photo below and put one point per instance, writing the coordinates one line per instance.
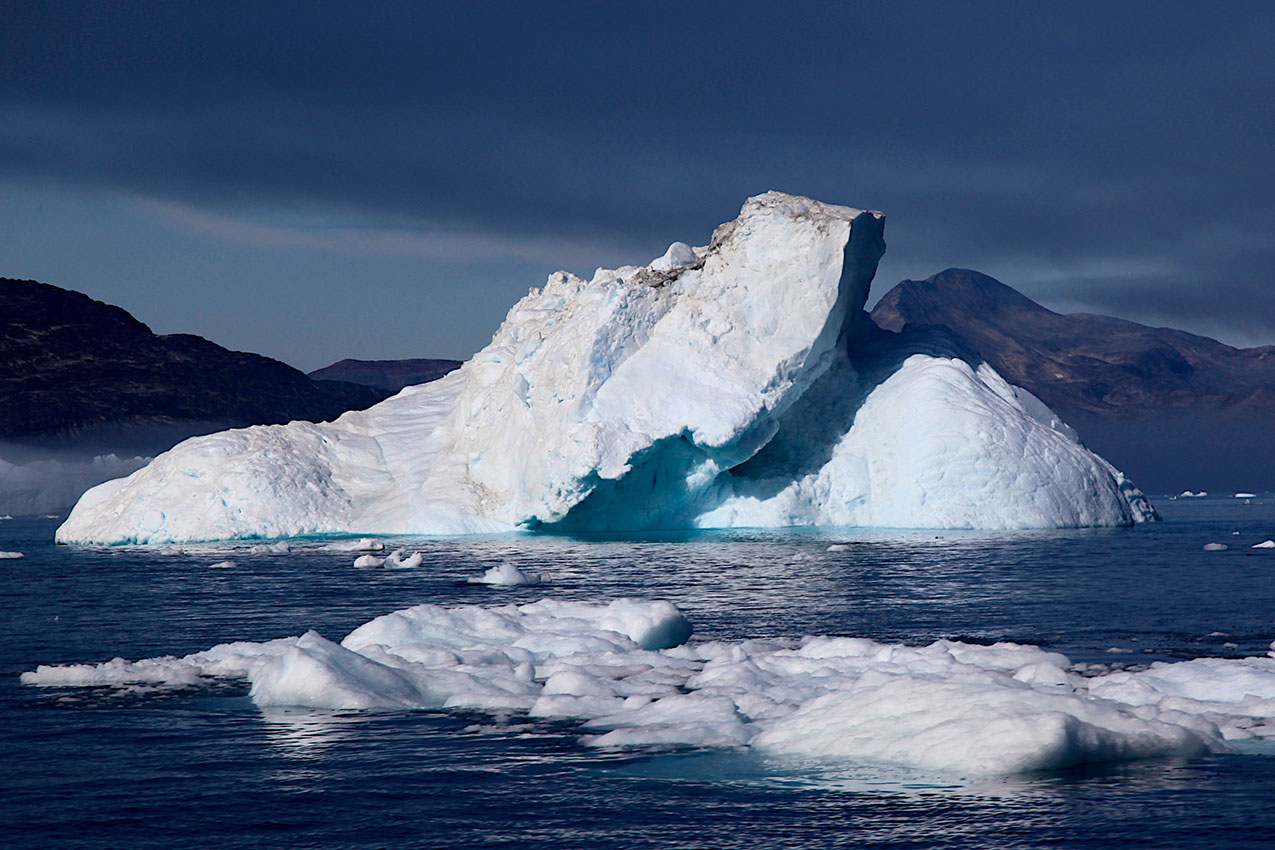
(717, 386)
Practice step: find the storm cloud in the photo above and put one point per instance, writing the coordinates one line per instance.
(1104, 157)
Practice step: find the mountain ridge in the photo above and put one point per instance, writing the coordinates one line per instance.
(1086, 362)
(73, 367)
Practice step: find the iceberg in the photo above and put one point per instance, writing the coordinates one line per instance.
(625, 672)
(735, 384)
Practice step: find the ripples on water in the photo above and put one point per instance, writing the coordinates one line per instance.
(148, 768)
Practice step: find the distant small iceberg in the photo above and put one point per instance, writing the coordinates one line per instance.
(1187, 494)
(1246, 495)
(280, 548)
(395, 559)
(223, 565)
(1265, 544)
(1215, 547)
(507, 575)
(363, 544)
(11, 556)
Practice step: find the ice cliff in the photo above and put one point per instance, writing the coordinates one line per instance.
(738, 384)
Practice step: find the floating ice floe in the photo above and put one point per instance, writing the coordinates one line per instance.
(625, 673)
(507, 575)
(1187, 494)
(1246, 495)
(363, 544)
(1265, 544)
(223, 565)
(281, 547)
(739, 384)
(11, 556)
(839, 547)
(369, 562)
(1215, 547)
(396, 560)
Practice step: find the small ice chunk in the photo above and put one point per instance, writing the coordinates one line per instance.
(363, 544)
(507, 575)
(678, 255)
(1215, 547)
(839, 547)
(369, 562)
(396, 560)
(9, 556)
(223, 565)
(1265, 544)
(282, 547)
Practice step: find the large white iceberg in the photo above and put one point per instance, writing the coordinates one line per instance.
(625, 673)
(738, 384)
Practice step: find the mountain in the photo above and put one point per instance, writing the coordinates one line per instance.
(1169, 407)
(390, 375)
(72, 368)
(736, 385)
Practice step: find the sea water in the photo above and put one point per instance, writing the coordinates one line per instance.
(204, 767)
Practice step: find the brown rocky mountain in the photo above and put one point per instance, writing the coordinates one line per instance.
(1173, 409)
(72, 368)
(1085, 362)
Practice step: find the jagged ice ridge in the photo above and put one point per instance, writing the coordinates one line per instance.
(737, 384)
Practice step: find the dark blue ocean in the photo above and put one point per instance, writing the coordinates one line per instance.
(99, 768)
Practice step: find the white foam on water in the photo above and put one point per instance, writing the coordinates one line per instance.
(624, 671)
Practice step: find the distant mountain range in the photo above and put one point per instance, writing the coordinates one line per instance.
(391, 375)
(74, 369)
(1169, 407)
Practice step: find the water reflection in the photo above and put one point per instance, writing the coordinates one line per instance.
(308, 734)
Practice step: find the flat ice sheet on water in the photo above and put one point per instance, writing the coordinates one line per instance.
(725, 385)
(625, 672)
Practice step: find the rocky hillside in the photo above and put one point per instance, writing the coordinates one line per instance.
(72, 367)
(391, 375)
(1085, 362)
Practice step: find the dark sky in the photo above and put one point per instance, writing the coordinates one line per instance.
(315, 181)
